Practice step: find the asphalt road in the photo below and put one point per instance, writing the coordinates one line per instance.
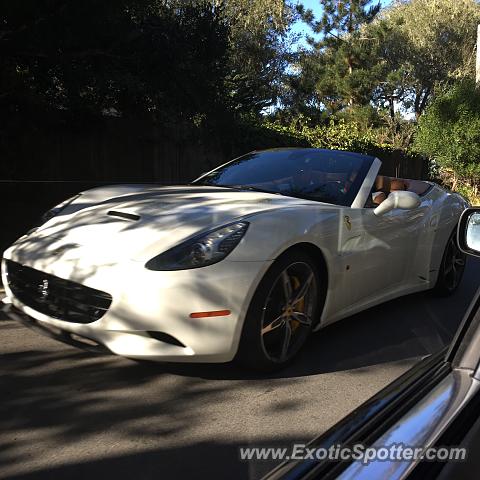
(65, 413)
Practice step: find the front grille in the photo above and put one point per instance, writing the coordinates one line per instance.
(55, 297)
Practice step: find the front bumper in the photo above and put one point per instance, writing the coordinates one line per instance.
(57, 334)
(150, 306)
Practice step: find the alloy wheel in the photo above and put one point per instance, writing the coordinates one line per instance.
(287, 315)
(454, 264)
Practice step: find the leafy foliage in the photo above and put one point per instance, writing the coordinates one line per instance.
(424, 44)
(449, 132)
(186, 61)
(338, 135)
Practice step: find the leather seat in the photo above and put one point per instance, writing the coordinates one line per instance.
(382, 184)
(385, 185)
(397, 184)
(393, 184)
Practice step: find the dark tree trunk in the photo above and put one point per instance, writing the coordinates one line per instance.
(421, 98)
(391, 107)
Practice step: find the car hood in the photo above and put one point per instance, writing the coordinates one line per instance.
(116, 223)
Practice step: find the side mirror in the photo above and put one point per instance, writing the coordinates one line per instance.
(469, 231)
(401, 199)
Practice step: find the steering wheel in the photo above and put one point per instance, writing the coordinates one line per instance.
(334, 187)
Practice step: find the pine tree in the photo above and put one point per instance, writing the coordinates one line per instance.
(342, 56)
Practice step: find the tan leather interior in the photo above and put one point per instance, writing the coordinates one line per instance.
(397, 184)
(392, 184)
(382, 184)
(378, 198)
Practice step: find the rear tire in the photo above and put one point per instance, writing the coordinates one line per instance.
(282, 313)
(451, 268)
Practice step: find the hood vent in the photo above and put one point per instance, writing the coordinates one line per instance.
(124, 215)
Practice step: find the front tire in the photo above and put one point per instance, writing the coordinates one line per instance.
(282, 313)
(451, 268)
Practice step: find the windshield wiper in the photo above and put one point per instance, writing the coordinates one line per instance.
(250, 188)
(239, 187)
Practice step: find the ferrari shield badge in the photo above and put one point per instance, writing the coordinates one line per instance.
(346, 221)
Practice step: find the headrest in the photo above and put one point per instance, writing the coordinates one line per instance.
(398, 184)
(382, 183)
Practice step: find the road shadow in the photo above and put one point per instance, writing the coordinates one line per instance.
(202, 460)
(65, 397)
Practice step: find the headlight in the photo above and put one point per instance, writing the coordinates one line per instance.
(202, 250)
(53, 212)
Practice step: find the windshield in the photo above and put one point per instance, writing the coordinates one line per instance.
(322, 175)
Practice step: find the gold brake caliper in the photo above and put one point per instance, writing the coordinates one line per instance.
(298, 307)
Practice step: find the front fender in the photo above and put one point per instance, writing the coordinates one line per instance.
(271, 233)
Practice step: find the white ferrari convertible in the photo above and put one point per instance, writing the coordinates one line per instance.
(245, 262)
